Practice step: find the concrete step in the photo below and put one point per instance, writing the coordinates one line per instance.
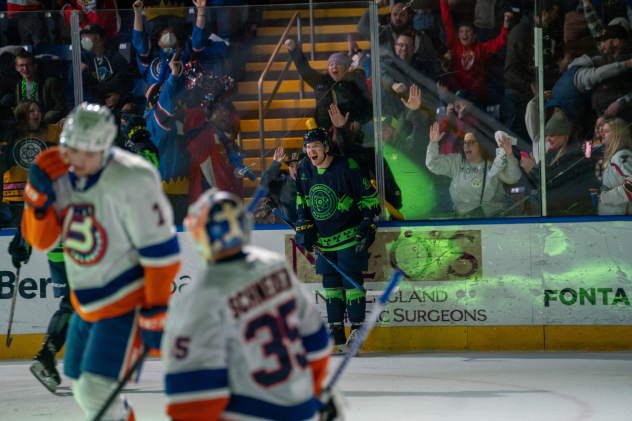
(307, 48)
(318, 30)
(321, 13)
(268, 86)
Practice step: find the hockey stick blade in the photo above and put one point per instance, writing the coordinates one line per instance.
(121, 384)
(13, 300)
(362, 335)
(256, 197)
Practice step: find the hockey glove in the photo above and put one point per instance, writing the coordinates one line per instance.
(306, 234)
(335, 408)
(152, 324)
(19, 250)
(365, 235)
(48, 166)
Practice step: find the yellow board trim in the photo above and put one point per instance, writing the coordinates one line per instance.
(23, 347)
(441, 338)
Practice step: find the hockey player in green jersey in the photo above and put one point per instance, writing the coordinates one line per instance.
(336, 205)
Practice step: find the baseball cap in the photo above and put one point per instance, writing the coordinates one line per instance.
(295, 157)
(93, 28)
(618, 28)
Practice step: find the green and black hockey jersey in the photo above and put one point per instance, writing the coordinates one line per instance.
(336, 199)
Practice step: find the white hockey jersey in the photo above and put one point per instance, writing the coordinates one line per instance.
(244, 343)
(617, 177)
(120, 245)
(467, 180)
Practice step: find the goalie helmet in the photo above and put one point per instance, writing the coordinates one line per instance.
(91, 128)
(218, 222)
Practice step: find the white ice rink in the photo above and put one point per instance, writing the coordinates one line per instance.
(541, 386)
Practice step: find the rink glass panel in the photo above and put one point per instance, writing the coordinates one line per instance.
(424, 195)
(48, 37)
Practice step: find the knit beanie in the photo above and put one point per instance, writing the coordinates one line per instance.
(558, 125)
(341, 58)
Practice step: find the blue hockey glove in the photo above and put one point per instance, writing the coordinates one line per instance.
(365, 235)
(306, 234)
(152, 324)
(47, 167)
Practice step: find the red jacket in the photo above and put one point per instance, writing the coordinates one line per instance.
(103, 12)
(467, 68)
(208, 152)
(24, 5)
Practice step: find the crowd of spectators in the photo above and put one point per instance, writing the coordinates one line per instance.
(459, 99)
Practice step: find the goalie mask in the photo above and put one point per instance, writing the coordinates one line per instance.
(219, 224)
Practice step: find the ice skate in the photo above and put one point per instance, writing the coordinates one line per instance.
(353, 335)
(337, 331)
(43, 368)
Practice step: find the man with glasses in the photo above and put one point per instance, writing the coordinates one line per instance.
(48, 92)
(401, 22)
(336, 205)
(402, 70)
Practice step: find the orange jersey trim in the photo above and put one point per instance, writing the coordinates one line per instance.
(117, 308)
(158, 284)
(319, 371)
(207, 410)
(42, 233)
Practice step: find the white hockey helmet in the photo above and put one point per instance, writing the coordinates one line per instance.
(91, 128)
(218, 222)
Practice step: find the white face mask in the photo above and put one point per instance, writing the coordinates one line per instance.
(168, 40)
(86, 43)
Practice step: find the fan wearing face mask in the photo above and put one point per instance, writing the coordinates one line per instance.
(154, 57)
(106, 74)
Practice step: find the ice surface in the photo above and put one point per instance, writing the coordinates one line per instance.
(537, 386)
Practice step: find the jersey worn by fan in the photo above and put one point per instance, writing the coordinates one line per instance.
(120, 245)
(19, 156)
(337, 199)
(244, 343)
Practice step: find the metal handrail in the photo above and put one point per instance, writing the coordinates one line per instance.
(263, 111)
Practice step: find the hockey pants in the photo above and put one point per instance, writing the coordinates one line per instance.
(340, 294)
(97, 356)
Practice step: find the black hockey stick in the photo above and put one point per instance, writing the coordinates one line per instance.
(13, 300)
(121, 383)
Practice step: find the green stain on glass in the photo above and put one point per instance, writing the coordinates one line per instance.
(415, 183)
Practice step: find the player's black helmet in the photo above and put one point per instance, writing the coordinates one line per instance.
(316, 135)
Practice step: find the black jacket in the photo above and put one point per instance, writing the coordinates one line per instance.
(352, 92)
(284, 187)
(569, 181)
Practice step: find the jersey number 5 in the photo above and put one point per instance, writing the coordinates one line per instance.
(281, 334)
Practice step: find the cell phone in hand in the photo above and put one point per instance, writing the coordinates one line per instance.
(588, 151)
(524, 154)
(178, 54)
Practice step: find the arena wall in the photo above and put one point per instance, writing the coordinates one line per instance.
(525, 286)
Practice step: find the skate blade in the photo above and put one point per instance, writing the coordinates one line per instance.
(38, 370)
(340, 349)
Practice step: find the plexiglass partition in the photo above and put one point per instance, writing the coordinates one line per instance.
(441, 103)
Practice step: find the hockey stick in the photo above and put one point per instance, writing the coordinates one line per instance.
(121, 383)
(320, 252)
(325, 395)
(256, 197)
(13, 300)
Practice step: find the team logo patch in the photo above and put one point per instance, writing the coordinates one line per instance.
(26, 150)
(155, 67)
(324, 202)
(599, 169)
(84, 238)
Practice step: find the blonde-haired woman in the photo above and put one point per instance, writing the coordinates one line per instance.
(617, 175)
